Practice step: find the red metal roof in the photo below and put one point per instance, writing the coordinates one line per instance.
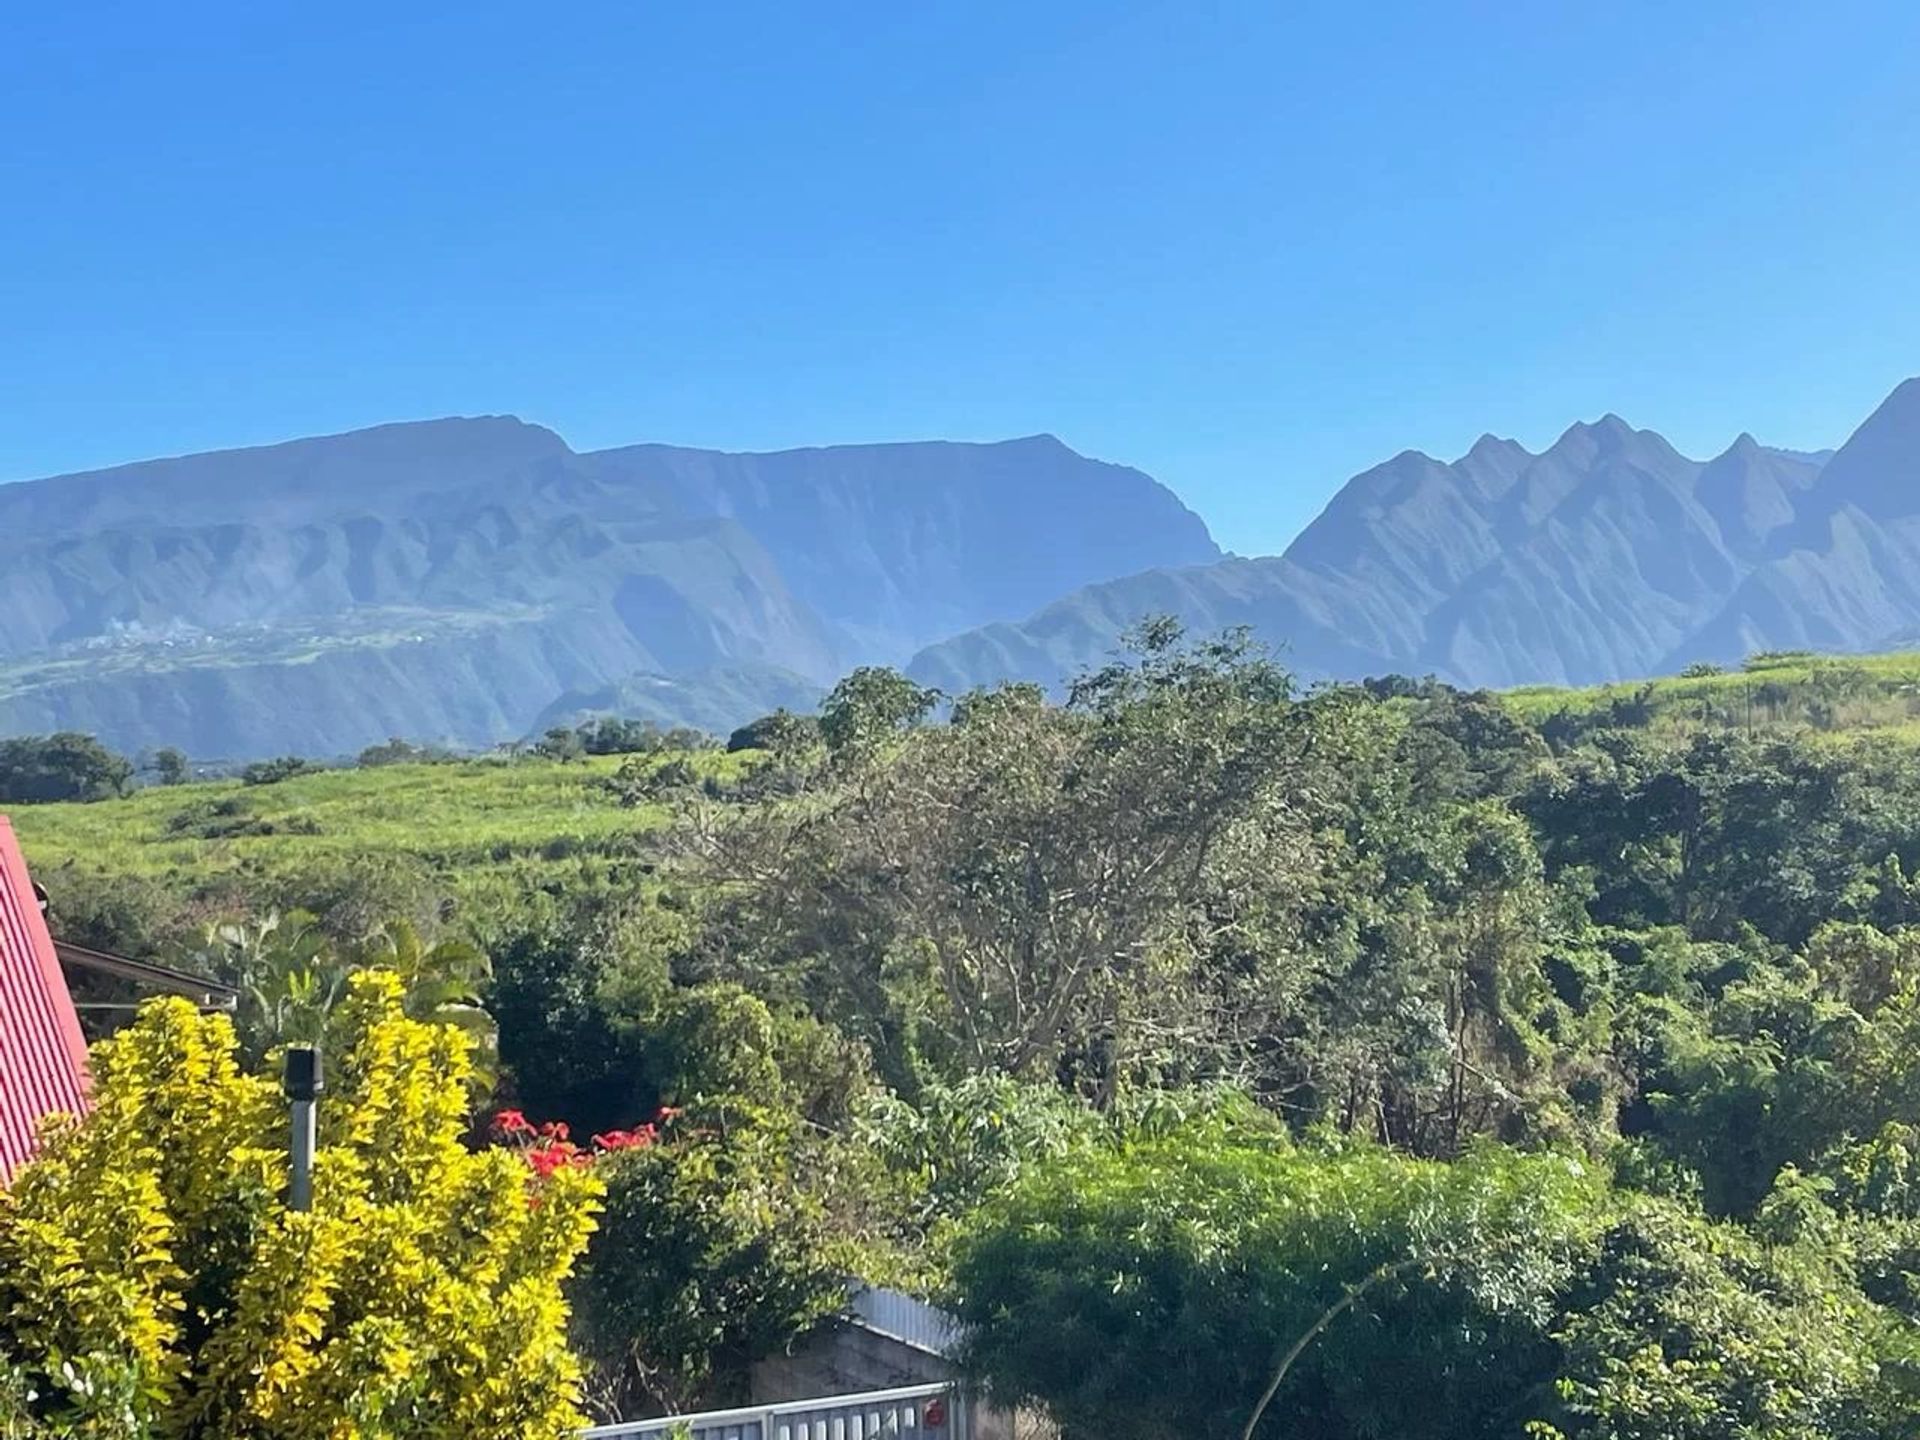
(43, 1055)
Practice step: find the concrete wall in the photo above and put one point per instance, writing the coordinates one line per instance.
(839, 1358)
(842, 1358)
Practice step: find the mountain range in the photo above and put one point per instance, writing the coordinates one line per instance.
(1607, 556)
(466, 581)
(457, 580)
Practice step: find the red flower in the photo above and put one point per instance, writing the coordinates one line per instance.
(511, 1122)
(636, 1139)
(558, 1155)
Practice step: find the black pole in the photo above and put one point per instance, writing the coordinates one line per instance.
(303, 1084)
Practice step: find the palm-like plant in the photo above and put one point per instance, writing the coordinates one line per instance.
(288, 975)
(291, 974)
(445, 983)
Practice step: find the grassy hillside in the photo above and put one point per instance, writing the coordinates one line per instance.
(488, 834)
(1790, 691)
(481, 830)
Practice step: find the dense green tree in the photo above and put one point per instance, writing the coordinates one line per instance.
(397, 751)
(170, 766)
(1029, 888)
(1683, 1330)
(782, 734)
(615, 735)
(742, 1218)
(1353, 1293)
(1129, 1290)
(568, 993)
(67, 766)
(560, 743)
(870, 706)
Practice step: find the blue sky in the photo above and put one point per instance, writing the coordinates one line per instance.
(1249, 247)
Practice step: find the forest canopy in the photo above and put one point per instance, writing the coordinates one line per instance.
(1571, 1055)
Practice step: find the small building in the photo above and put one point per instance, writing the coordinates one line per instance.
(43, 1054)
(884, 1339)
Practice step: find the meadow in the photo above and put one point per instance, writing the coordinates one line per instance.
(1788, 691)
(483, 831)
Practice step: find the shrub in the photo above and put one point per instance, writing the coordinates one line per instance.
(272, 772)
(154, 1282)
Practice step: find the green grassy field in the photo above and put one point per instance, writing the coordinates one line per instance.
(482, 828)
(1822, 694)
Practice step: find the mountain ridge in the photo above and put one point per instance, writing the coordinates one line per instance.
(452, 579)
(1606, 555)
(466, 578)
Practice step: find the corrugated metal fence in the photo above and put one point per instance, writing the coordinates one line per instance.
(918, 1412)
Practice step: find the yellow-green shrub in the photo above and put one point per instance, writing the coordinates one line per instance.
(154, 1283)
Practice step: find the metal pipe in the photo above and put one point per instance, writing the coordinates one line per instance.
(303, 1085)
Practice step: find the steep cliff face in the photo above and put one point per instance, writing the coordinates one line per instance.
(1607, 555)
(1845, 573)
(897, 546)
(454, 579)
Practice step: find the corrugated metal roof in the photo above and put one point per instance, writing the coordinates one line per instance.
(43, 1055)
(207, 994)
(900, 1317)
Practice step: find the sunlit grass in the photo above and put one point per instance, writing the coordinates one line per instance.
(1835, 695)
(463, 818)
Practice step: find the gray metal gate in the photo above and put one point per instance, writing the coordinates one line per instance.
(917, 1412)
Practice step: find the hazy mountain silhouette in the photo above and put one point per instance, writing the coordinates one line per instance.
(1609, 555)
(465, 580)
(453, 579)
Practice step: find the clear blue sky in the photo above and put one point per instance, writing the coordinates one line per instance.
(1250, 247)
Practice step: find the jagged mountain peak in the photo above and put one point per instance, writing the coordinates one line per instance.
(1601, 558)
(1585, 440)
(1878, 469)
(1490, 446)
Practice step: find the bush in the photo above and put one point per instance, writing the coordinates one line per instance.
(272, 772)
(153, 1281)
(783, 734)
(399, 752)
(1778, 659)
(643, 779)
(1127, 1291)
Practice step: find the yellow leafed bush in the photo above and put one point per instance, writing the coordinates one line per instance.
(153, 1282)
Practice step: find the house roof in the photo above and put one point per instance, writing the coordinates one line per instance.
(207, 994)
(43, 1055)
